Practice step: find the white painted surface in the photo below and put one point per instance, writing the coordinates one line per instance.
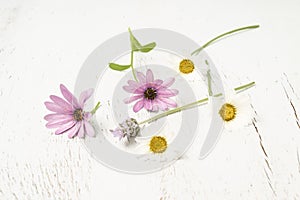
(43, 44)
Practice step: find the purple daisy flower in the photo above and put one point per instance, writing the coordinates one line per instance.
(151, 94)
(69, 116)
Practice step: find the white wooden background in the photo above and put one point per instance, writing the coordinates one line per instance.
(44, 43)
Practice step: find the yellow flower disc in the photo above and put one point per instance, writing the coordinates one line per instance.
(186, 66)
(158, 144)
(227, 112)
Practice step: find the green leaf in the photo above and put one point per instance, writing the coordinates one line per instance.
(148, 47)
(135, 44)
(118, 67)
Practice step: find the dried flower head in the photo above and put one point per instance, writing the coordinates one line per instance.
(129, 128)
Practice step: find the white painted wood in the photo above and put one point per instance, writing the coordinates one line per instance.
(43, 44)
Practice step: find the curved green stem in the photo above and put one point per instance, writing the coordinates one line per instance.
(222, 35)
(190, 105)
(132, 68)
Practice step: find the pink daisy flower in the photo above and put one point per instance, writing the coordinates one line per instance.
(151, 94)
(69, 116)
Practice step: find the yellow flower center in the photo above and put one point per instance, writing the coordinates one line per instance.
(227, 112)
(158, 144)
(186, 66)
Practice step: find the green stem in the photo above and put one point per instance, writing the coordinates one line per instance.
(244, 87)
(190, 105)
(96, 108)
(131, 65)
(175, 110)
(210, 93)
(222, 35)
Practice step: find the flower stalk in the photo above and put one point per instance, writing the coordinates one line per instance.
(197, 51)
(131, 65)
(136, 46)
(95, 108)
(210, 93)
(193, 104)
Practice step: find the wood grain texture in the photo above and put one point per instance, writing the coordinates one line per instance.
(64, 176)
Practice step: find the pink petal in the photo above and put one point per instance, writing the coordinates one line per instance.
(162, 106)
(158, 82)
(138, 106)
(167, 92)
(89, 129)
(148, 105)
(141, 77)
(87, 116)
(81, 130)
(140, 90)
(130, 89)
(62, 103)
(170, 102)
(155, 107)
(155, 84)
(168, 82)
(56, 108)
(58, 123)
(73, 131)
(65, 127)
(133, 83)
(55, 116)
(66, 93)
(65, 118)
(149, 76)
(69, 96)
(133, 98)
(84, 96)
(117, 133)
(134, 90)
